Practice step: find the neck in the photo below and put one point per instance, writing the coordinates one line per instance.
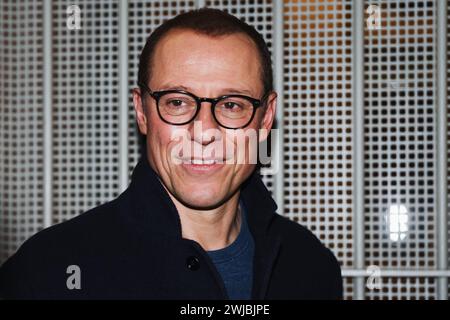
(213, 229)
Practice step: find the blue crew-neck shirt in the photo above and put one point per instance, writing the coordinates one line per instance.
(235, 262)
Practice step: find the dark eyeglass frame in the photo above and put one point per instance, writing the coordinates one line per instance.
(158, 94)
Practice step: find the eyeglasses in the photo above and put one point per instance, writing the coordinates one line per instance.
(178, 107)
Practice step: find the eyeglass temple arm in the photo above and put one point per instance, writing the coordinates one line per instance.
(150, 92)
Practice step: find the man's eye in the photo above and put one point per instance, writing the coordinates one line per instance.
(231, 106)
(175, 103)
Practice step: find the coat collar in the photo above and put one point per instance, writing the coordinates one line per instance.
(154, 208)
(154, 212)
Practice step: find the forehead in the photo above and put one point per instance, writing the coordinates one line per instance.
(187, 56)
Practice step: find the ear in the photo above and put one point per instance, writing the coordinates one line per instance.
(269, 116)
(141, 117)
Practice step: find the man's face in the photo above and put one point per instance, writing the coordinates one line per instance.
(207, 67)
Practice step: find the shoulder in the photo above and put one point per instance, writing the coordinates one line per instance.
(49, 252)
(90, 226)
(303, 253)
(296, 234)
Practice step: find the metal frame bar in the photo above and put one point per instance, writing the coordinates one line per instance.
(47, 101)
(277, 157)
(362, 273)
(441, 152)
(123, 95)
(200, 3)
(358, 142)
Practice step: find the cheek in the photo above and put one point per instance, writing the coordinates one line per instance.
(158, 137)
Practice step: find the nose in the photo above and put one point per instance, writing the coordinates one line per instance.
(205, 129)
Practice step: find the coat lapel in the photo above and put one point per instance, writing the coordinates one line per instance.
(155, 213)
(261, 212)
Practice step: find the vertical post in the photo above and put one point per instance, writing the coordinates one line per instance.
(47, 101)
(200, 4)
(358, 143)
(441, 143)
(278, 79)
(123, 94)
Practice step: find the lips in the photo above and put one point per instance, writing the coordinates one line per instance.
(202, 161)
(202, 166)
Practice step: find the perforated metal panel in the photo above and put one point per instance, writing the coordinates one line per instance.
(318, 113)
(400, 213)
(85, 108)
(405, 288)
(448, 130)
(21, 123)
(348, 285)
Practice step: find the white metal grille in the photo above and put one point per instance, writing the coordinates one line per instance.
(318, 113)
(85, 108)
(21, 123)
(448, 132)
(405, 288)
(348, 285)
(400, 67)
(400, 215)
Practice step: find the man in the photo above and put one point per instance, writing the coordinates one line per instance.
(192, 224)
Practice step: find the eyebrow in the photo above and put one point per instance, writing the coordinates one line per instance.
(224, 91)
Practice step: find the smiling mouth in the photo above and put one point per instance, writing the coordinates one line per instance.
(202, 161)
(202, 165)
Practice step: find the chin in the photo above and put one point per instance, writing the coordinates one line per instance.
(201, 199)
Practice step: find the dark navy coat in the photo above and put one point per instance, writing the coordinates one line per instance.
(132, 248)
